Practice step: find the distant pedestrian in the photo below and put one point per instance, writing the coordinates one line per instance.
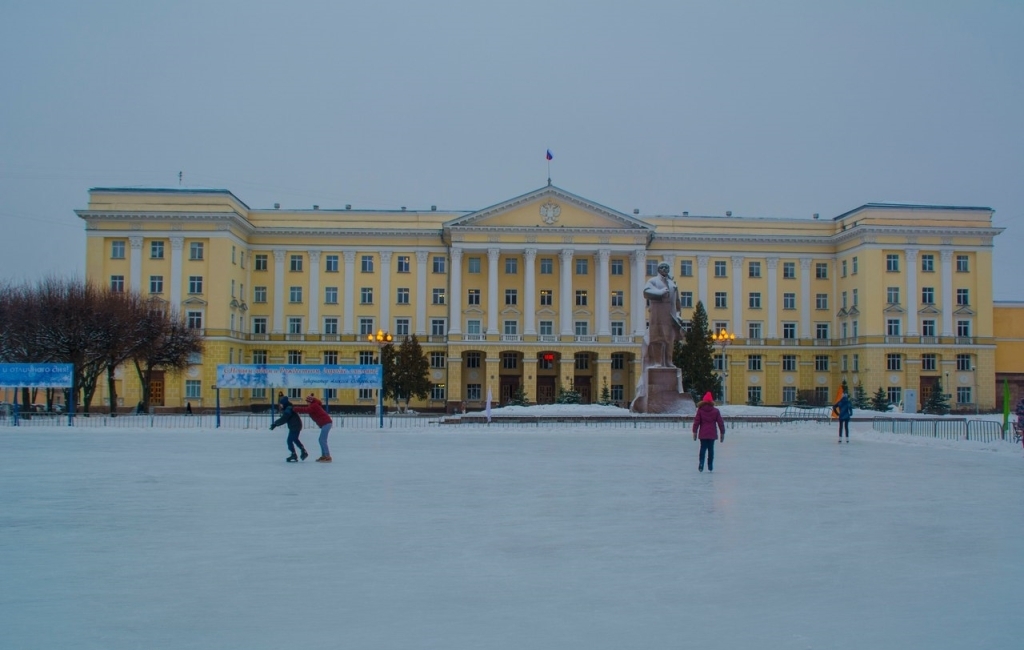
(188, 408)
(290, 418)
(708, 425)
(844, 408)
(139, 410)
(316, 411)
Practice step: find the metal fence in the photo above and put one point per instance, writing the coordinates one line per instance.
(945, 428)
(235, 421)
(807, 413)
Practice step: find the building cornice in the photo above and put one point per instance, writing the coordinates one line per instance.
(92, 217)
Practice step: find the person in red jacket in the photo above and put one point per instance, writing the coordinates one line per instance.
(315, 409)
(710, 425)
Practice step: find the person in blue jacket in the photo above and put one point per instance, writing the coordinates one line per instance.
(844, 408)
(294, 422)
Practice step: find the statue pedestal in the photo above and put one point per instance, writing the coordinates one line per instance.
(664, 394)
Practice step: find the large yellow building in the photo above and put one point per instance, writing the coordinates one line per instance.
(544, 290)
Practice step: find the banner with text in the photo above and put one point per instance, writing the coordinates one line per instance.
(295, 376)
(36, 375)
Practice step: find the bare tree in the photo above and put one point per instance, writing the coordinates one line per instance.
(168, 345)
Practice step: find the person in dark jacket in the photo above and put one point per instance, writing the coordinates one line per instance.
(316, 412)
(844, 408)
(294, 422)
(708, 425)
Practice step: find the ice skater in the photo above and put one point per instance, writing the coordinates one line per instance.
(708, 423)
(323, 420)
(294, 422)
(845, 411)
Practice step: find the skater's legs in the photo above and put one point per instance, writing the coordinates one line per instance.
(711, 454)
(324, 430)
(844, 423)
(704, 447)
(292, 439)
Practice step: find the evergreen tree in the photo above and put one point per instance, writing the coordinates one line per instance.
(937, 402)
(880, 402)
(411, 372)
(519, 398)
(695, 357)
(570, 396)
(860, 397)
(606, 394)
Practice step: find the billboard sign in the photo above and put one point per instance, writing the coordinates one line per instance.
(298, 376)
(36, 375)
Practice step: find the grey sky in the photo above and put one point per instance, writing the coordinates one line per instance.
(775, 109)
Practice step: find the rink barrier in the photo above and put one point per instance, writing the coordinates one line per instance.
(944, 428)
(240, 421)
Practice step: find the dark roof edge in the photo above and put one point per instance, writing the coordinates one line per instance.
(911, 206)
(167, 190)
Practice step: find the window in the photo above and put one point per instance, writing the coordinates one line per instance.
(437, 359)
(259, 294)
(686, 299)
(438, 326)
(789, 330)
(753, 394)
(844, 268)
(892, 295)
(963, 362)
(295, 358)
(295, 393)
(473, 298)
(473, 265)
(617, 267)
(510, 327)
(844, 300)
(440, 265)
(402, 296)
(618, 361)
(366, 358)
(261, 263)
(511, 266)
(928, 362)
(789, 301)
(547, 327)
(331, 393)
(365, 326)
(295, 324)
(844, 326)
(928, 327)
(156, 250)
(754, 300)
(511, 296)
(754, 269)
(331, 265)
(366, 263)
(582, 266)
(892, 326)
(295, 294)
(195, 250)
(331, 295)
(295, 263)
(821, 362)
(581, 328)
(855, 266)
(195, 284)
(789, 363)
(854, 325)
(963, 328)
(581, 361)
(366, 296)
(720, 326)
(472, 359)
(719, 269)
(509, 360)
(854, 297)
(892, 263)
(754, 330)
(963, 296)
(117, 250)
(365, 394)
(788, 394)
(194, 320)
(821, 331)
(686, 268)
(401, 327)
(473, 392)
(856, 363)
(789, 270)
(617, 299)
(193, 388)
(581, 297)
(821, 301)
(928, 263)
(821, 270)
(117, 283)
(473, 326)
(961, 264)
(721, 300)
(894, 394)
(331, 326)
(545, 297)
(438, 296)
(259, 324)
(547, 266)
(618, 328)
(963, 395)
(718, 362)
(652, 267)
(618, 393)
(437, 392)
(894, 362)
(259, 356)
(156, 284)
(928, 295)
(754, 362)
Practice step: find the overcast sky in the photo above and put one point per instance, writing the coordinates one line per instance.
(771, 109)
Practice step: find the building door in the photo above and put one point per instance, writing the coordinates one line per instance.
(928, 385)
(545, 390)
(583, 388)
(156, 389)
(509, 386)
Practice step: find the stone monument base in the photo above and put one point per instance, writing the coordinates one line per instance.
(664, 394)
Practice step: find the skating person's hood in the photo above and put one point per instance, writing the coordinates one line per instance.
(284, 401)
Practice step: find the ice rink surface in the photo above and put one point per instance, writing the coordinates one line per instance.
(476, 538)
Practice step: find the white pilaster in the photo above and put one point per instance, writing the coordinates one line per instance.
(702, 280)
(773, 296)
(912, 291)
(421, 292)
(530, 288)
(279, 256)
(946, 255)
(455, 300)
(737, 292)
(565, 289)
(493, 255)
(604, 319)
(384, 300)
(313, 327)
(350, 292)
(805, 297)
(135, 279)
(177, 244)
(638, 280)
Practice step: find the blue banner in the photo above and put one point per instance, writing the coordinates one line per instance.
(298, 376)
(36, 375)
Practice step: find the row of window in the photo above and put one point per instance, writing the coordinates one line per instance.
(929, 362)
(894, 394)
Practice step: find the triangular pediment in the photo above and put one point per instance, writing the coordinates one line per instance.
(853, 311)
(193, 302)
(964, 311)
(549, 208)
(929, 309)
(892, 308)
(473, 311)
(510, 311)
(841, 313)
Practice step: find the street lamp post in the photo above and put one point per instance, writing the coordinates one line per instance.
(723, 338)
(382, 339)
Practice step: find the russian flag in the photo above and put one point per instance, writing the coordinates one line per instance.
(549, 156)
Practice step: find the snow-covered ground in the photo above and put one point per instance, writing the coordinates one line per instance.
(475, 537)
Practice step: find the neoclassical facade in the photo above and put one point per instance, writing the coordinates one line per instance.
(544, 291)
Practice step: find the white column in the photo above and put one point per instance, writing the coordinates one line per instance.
(455, 300)
(946, 255)
(313, 327)
(912, 291)
(135, 280)
(177, 243)
(530, 288)
(244, 297)
(702, 280)
(805, 297)
(350, 292)
(279, 291)
(493, 254)
(565, 288)
(421, 292)
(737, 292)
(385, 291)
(604, 312)
(638, 280)
(773, 296)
